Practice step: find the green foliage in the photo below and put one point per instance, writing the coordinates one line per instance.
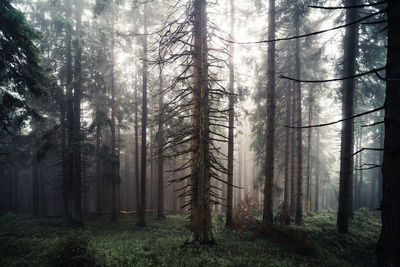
(70, 250)
(21, 74)
(26, 241)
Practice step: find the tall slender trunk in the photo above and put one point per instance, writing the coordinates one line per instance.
(292, 152)
(142, 210)
(98, 164)
(231, 114)
(114, 158)
(76, 201)
(389, 241)
(64, 162)
(118, 167)
(361, 173)
(345, 209)
(286, 216)
(317, 170)
(174, 200)
(309, 137)
(380, 162)
(200, 219)
(136, 156)
(160, 176)
(69, 108)
(298, 139)
(270, 131)
(372, 197)
(356, 172)
(35, 185)
(152, 188)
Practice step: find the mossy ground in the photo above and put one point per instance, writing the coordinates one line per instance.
(27, 241)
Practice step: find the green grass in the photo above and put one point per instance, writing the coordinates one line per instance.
(27, 241)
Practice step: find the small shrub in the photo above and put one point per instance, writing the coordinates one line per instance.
(70, 250)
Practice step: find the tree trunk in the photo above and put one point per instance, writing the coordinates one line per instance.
(137, 181)
(160, 135)
(270, 131)
(200, 219)
(317, 170)
(76, 201)
(285, 215)
(309, 137)
(292, 153)
(381, 143)
(69, 104)
(64, 162)
(372, 198)
(142, 210)
(345, 209)
(114, 158)
(98, 164)
(229, 191)
(360, 182)
(35, 185)
(389, 241)
(356, 172)
(298, 139)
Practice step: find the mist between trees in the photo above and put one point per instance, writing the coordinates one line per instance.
(263, 111)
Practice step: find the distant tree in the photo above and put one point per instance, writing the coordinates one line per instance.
(142, 210)
(114, 157)
(160, 139)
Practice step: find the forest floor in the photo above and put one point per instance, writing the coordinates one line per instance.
(28, 241)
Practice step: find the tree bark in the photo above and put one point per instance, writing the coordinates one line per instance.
(345, 209)
(136, 156)
(98, 164)
(200, 219)
(229, 191)
(292, 153)
(76, 200)
(389, 241)
(317, 171)
(35, 185)
(160, 135)
(356, 172)
(69, 107)
(360, 182)
(309, 137)
(270, 131)
(142, 210)
(114, 158)
(375, 175)
(298, 132)
(380, 162)
(285, 215)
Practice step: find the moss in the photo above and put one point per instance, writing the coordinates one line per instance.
(26, 241)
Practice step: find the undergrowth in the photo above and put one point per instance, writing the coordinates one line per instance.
(27, 241)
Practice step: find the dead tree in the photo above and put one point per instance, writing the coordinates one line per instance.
(192, 109)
